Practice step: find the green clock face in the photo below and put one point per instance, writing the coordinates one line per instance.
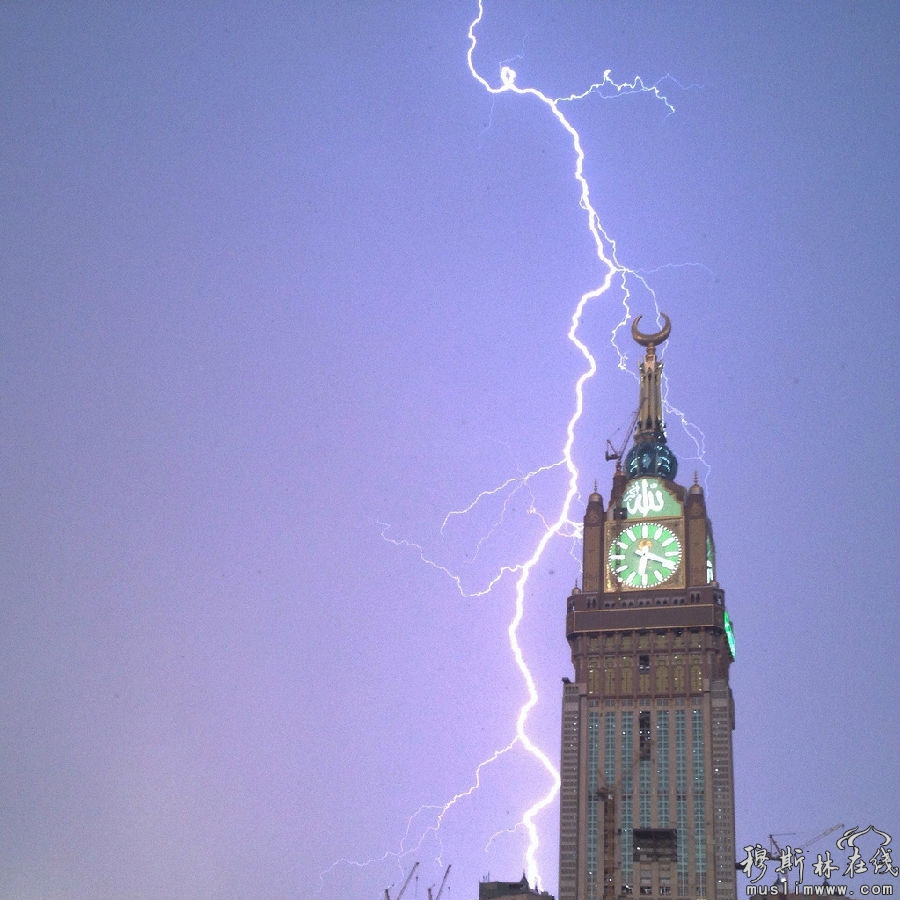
(644, 555)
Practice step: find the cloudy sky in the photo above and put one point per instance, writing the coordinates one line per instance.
(283, 285)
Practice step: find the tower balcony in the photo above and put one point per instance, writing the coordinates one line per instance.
(702, 607)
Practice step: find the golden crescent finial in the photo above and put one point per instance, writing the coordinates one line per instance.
(651, 340)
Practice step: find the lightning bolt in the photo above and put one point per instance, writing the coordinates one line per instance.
(607, 254)
(626, 280)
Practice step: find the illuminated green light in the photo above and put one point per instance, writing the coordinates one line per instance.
(729, 633)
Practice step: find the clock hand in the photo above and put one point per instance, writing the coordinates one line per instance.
(666, 562)
(642, 565)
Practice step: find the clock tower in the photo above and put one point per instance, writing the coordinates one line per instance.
(647, 795)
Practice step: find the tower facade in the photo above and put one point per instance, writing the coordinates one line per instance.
(647, 795)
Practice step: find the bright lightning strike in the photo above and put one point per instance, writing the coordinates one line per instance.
(562, 525)
(606, 252)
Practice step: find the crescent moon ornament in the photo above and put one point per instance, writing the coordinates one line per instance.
(651, 340)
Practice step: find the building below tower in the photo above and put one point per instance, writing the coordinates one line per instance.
(510, 890)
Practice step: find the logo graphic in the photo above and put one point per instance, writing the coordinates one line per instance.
(792, 866)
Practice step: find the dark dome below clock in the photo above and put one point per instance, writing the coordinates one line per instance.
(651, 458)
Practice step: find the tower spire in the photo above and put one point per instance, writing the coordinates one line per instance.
(650, 411)
(650, 454)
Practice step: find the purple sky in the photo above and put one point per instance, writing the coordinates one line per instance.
(276, 275)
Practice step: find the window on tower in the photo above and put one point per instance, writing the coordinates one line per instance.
(696, 679)
(655, 845)
(662, 680)
(644, 733)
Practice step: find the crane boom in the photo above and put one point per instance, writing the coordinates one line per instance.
(441, 888)
(825, 833)
(775, 850)
(412, 872)
(617, 451)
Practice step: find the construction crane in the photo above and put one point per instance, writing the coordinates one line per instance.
(807, 844)
(441, 888)
(412, 871)
(617, 451)
(775, 851)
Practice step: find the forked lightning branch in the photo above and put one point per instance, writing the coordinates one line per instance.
(643, 555)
